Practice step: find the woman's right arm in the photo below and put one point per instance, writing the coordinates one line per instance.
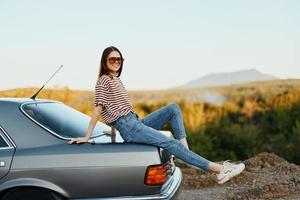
(94, 119)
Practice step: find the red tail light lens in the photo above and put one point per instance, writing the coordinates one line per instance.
(157, 174)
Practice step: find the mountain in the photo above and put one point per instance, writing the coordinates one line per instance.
(223, 79)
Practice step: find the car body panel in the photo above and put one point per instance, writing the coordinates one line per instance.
(6, 153)
(171, 191)
(6, 156)
(107, 167)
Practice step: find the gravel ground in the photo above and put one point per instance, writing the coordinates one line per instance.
(267, 176)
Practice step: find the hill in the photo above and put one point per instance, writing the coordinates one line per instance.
(214, 95)
(217, 95)
(223, 79)
(267, 176)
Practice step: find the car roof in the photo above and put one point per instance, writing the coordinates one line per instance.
(19, 127)
(23, 100)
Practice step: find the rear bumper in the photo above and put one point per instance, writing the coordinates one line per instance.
(169, 192)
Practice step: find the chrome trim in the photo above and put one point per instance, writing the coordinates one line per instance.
(4, 148)
(167, 193)
(2, 163)
(6, 137)
(47, 129)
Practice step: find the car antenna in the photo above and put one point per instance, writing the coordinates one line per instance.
(33, 97)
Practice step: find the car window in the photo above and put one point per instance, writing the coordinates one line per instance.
(2, 141)
(61, 119)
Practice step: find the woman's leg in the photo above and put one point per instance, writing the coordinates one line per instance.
(170, 113)
(138, 132)
(133, 130)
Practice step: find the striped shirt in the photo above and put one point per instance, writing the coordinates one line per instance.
(112, 95)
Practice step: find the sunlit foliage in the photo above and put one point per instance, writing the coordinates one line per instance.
(233, 122)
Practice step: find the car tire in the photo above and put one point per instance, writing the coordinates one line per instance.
(31, 194)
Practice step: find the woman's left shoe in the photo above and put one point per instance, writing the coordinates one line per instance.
(229, 171)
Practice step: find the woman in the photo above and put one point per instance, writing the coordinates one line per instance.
(112, 102)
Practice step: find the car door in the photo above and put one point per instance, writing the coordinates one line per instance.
(7, 150)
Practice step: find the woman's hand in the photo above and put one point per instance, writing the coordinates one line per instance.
(80, 140)
(92, 124)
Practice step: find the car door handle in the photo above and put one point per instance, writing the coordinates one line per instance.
(2, 163)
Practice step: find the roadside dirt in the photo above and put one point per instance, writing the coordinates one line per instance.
(267, 176)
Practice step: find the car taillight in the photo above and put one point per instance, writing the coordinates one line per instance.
(157, 174)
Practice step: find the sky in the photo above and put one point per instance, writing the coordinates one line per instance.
(165, 43)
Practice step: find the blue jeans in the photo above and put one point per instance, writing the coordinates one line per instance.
(147, 131)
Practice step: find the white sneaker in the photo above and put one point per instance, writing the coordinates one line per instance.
(228, 171)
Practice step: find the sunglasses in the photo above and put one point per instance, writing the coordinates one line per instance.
(113, 60)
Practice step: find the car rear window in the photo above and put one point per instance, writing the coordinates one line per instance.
(61, 119)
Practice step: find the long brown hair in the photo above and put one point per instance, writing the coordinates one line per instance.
(103, 67)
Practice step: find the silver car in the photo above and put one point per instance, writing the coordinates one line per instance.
(36, 162)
